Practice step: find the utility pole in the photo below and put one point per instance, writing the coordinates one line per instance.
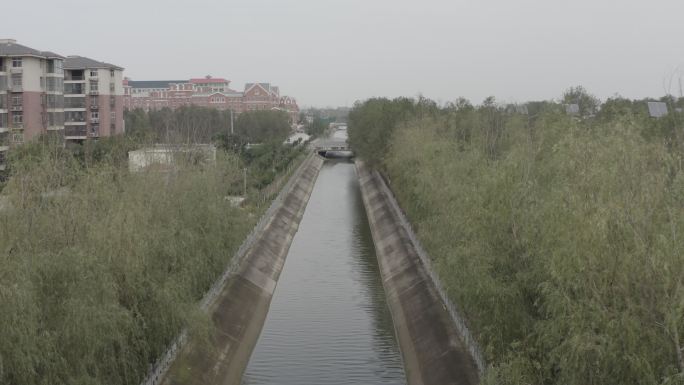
(244, 182)
(231, 122)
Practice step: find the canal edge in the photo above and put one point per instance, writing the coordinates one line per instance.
(436, 345)
(295, 192)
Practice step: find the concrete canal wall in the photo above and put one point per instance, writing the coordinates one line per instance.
(239, 301)
(436, 346)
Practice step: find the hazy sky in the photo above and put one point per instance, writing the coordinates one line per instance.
(333, 52)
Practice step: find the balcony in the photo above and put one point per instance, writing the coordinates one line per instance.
(95, 120)
(94, 107)
(74, 89)
(16, 70)
(17, 126)
(17, 108)
(75, 132)
(94, 92)
(71, 78)
(17, 88)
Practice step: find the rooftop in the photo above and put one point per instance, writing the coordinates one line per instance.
(153, 83)
(81, 62)
(208, 80)
(9, 47)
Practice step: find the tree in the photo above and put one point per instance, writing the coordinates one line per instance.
(588, 104)
(263, 126)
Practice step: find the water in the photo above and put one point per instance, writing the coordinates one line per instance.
(328, 322)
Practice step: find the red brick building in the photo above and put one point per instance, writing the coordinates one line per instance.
(206, 92)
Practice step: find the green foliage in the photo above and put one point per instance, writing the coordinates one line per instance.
(559, 238)
(588, 104)
(191, 124)
(318, 126)
(101, 268)
(263, 126)
(372, 123)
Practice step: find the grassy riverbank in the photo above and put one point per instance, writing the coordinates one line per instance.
(102, 268)
(559, 237)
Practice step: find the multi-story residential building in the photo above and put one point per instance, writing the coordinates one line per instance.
(31, 94)
(93, 99)
(206, 92)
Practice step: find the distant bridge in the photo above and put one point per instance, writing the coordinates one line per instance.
(333, 148)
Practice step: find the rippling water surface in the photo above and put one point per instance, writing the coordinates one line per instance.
(328, 322)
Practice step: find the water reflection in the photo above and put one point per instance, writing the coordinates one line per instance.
(328, 322)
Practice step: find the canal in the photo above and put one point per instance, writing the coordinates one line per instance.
(328, 322)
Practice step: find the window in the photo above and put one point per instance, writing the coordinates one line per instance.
(112, 116)
(2, 64)
(17, 80)
(111, 87)
(111, 73)
(93, 86)
(93, 73)
(16, 62)
(17, 118)
(74, 88)
(17, 100)
(54, 66)
(55, 84)
(55, 119)
(74, 116)
(74, 102)
(94, 115)
(55, 101)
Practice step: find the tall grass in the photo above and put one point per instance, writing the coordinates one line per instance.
(561, 239)
(100, 269)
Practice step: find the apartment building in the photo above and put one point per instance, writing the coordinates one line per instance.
(31, 94)
(93, 99)
(206, 92)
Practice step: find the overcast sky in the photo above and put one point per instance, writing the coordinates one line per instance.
(333, 52)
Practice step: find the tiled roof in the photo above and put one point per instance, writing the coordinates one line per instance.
(208, 80)
(80, 62)
(11, 48)
(153, 83)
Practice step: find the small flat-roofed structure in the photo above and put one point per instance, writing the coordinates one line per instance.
(657, 109)
(572, 109)
(167, 157)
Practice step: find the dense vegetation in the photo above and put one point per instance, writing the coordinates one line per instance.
(560, 238)
(101, 268)
(203, 125)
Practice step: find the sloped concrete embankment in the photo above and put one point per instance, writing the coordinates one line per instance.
(430, 337)
(241, 298)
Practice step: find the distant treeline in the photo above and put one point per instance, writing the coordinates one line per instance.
(203, 125)
(560, 238)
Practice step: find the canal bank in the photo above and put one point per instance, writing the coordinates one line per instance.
(430, 335)
(329, 322)
(240, 307)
